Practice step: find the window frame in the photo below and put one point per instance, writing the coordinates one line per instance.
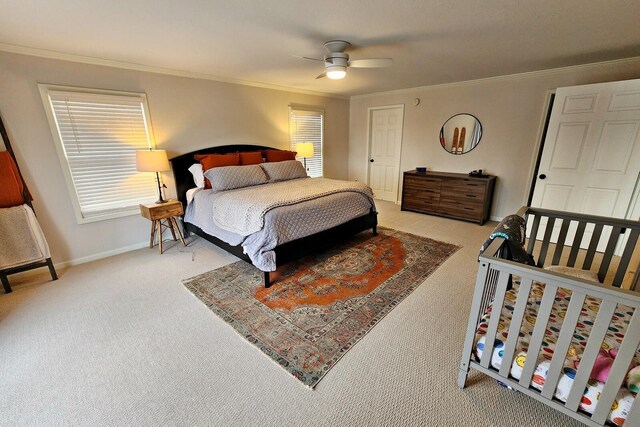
(293, 107)
(60, 150)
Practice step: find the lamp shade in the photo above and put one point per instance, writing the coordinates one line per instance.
(152, 161)
(304, 149)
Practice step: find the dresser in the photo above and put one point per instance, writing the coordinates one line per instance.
(453, 195)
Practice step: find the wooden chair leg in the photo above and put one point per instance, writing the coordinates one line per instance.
(52, 270)
(5, 283)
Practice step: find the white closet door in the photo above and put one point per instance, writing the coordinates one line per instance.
(385, 142)
(591, 157)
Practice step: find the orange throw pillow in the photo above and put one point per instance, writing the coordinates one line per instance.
(279, 155)
(251, 158)
(209, 161)
(10, 182)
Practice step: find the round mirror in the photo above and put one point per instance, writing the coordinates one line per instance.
(461, 133)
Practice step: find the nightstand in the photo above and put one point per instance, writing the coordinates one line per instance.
(163, 215)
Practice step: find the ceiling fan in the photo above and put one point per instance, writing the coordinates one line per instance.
(336, 60)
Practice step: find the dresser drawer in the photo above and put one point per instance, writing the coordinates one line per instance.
(420, 205)
(422, 183)
(463, 186)
(466, 197)
(421, 194)
(472, 211)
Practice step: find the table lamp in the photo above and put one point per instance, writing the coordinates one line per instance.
(305, 150)
(153, 161)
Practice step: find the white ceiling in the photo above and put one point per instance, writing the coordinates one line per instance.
(431, 42)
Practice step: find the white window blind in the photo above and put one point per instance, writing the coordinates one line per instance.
(99, 135)
(306, 125)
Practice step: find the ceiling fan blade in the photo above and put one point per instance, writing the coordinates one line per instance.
(324, 74)
(371, 63)
(306, 57)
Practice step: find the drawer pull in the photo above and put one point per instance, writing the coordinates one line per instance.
(468, 209)
(471, 195)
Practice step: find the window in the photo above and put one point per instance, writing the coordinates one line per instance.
(97, 134)
(307, 125)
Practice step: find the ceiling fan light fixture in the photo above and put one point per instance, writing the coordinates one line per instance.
(336, 72)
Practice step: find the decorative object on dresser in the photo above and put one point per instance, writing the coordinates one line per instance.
(153, 161)
(167, 211)
(322, 305)
(453, 195)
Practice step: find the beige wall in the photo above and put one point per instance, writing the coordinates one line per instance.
(511, 110)
(186, 114)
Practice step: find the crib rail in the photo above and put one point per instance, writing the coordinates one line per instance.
(569, 231)
(493, 277)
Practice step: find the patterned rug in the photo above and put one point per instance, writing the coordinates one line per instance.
(320, 306)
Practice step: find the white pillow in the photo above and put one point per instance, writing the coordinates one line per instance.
(198, 175)
(283, 171)
(230, 177)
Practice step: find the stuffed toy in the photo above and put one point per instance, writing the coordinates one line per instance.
(633, 380)
(604, 362)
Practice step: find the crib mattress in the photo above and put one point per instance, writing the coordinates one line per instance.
(624, 400)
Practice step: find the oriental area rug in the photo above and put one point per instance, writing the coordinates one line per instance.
(320, 306)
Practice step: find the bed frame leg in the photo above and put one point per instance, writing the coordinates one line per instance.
(267, 283)
(375, 230)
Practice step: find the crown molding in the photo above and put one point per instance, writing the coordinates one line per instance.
(504, 78)
(50, 54)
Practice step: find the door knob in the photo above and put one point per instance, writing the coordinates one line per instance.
(371, 160)
(542, 176)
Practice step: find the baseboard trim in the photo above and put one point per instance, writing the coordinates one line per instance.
(100, 255)
(82, 260)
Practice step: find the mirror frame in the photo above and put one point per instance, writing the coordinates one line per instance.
(443, 142)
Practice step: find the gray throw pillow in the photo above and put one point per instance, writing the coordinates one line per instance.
(283, 171)
(230, 177)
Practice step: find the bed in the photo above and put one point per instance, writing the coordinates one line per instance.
(297, 234)
(568, 336)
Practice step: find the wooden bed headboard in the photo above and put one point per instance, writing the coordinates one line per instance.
(181, 164)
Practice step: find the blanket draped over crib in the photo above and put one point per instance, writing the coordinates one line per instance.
(21, 238)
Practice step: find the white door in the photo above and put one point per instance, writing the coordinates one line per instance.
(591, 157)
(385, 142)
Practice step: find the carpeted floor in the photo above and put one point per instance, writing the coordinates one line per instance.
(319, 307)
(120, 341)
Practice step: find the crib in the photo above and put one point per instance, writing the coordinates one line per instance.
(552, 328)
